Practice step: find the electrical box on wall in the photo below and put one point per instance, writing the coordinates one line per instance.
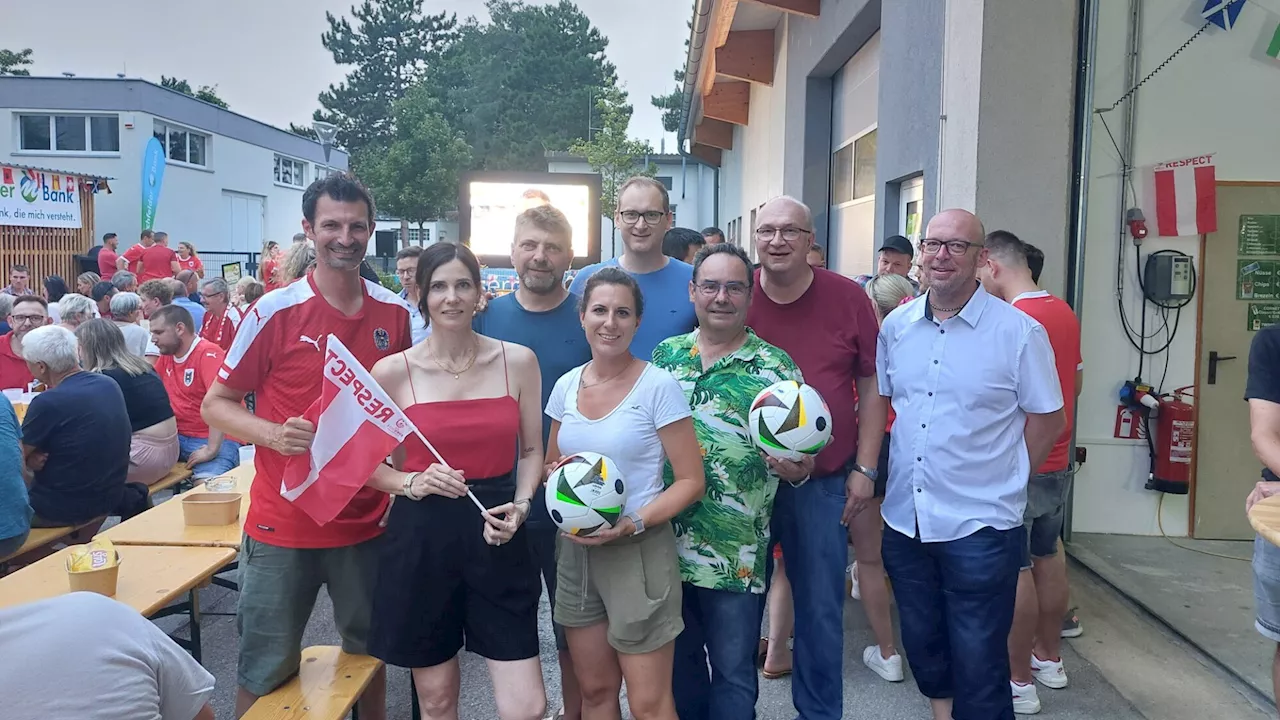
(1168, 277)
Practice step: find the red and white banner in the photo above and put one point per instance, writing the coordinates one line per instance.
(357, 426)
(1181, 196)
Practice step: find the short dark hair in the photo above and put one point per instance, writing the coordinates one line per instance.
(611, 276)
(432, 258)
(108, 236)
(677, 241)
(103, 289)
(343, 187)
(55, 287)
(1007, 247)
(174, 314)
(723, 249)
(19, 267)
(1035, 262)
(31, 298)
(712, 230)
(146, 234)
(413, 251)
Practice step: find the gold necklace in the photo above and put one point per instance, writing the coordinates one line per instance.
(582, 379)
(457, 374)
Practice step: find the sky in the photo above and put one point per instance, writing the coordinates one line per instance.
(266, 59)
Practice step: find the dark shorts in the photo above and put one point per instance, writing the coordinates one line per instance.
(441, 587)
(1046, 500)
(882, 467)
(542, 544)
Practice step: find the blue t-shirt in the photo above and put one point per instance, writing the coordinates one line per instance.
(15, 513)
(83, 425)
(556, 338)
(195, 308)
(667, 309)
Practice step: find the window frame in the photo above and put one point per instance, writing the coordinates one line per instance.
(851, 145)
(300, 167)
(172, 127)
(52, 118)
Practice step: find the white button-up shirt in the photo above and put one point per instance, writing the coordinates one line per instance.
(962, 389)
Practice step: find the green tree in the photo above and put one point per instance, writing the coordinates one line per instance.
(523, 83)
(207, 93)
(415, 176)
(389, 49)
(671, 103)
(11, 63)
(610, 152)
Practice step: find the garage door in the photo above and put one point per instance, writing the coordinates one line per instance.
(243, 221)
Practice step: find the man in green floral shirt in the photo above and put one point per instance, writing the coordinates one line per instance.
(722, 539)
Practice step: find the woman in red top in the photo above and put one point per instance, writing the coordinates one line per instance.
(449, 576)
(269, 269)
(188, 259)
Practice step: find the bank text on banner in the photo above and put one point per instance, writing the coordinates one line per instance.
(33, 198)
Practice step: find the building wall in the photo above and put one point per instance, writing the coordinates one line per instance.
(1179, 112)
(855, 92)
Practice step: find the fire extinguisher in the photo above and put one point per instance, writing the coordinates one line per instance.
(1172, 444)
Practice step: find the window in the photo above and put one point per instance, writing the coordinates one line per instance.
(666, 182)
(182, 145)
(324, 171)
(290, 171)
(842, 175)
(853, 170)
(69, 133)
(413, 236)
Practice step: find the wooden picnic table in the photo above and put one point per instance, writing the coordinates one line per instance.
(1265, 518)
(164, 524)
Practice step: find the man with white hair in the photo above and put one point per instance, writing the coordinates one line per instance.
(78, 476)
(75, 310)
(221, 318)
(29, 312)
(126, 308)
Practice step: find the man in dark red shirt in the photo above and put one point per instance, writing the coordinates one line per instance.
(107, 257)
(29, 312)
(278, 355)
(827, 324)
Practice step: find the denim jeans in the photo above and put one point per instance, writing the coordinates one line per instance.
(228, 456)
(815, 546)
(720, 626)
(955, 604)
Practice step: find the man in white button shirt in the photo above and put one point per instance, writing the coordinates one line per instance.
(978, 405)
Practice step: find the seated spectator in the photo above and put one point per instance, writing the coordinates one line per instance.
(155, 294)
(85, 283)
(6, 307)
(75, 437)
(183, 299)
(153, 447)
(126, 309)
(188, 365)
(86, 656)
(19, 281)
(125, 281)
(15, 512)
(29, 312)
(192, 283)
(682, 244)
(102, 294)
(248, 290)
(75, 310)
(222, 318)
(54, 288)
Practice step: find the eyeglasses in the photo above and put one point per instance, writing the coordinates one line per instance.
(711, 288)
(406, 272)
(27, 319)
(958, 248)
(210, 295)
(651, 217)
(789, 234)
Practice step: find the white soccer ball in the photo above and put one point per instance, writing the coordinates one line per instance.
(585, 493)
(789, 420)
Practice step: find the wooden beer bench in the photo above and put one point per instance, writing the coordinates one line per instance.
(327, 686)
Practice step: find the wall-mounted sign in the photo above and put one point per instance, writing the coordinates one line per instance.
(38, 199)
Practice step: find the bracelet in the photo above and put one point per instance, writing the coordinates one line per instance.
(407, 487)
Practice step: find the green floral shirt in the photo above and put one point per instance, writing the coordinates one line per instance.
(723, 538)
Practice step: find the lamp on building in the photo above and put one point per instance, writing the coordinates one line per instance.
(325, 132)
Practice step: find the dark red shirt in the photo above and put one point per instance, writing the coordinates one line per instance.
(107, 263)
(830, 331)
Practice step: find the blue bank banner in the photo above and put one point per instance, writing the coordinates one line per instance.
(152, 176)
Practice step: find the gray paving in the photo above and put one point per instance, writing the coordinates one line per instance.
(1089, 697)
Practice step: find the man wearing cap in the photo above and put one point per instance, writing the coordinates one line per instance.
(894, 258)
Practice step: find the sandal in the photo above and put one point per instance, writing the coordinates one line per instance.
(775, 674)
(762, 651)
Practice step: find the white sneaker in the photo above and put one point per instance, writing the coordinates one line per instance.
(854, 591)
(1026, 701)
(890, 669)
(1048, 673)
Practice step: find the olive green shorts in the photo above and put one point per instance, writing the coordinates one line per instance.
(632, 583)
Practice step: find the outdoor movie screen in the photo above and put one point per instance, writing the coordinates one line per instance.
(491, 204)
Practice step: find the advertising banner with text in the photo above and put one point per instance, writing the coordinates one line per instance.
(38, 199)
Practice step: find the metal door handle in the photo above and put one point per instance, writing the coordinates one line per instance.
(1214, 359)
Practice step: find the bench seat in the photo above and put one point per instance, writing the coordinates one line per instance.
(326, 687)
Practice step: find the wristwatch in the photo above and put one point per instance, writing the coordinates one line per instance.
(873, 475)
(634, 517)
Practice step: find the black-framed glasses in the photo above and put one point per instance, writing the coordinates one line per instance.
(27, 319)
(790, 234)
(651, 217)
(711, 288)
(957, 248)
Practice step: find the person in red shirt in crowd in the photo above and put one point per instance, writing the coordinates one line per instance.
(129, 259)
(107, 257)
(820, 497)
(269, 270)
(158, 261)
(1043, 593)
(279, 356)
(188, 259)
(221, 318)
(188, 365)
(29, 312)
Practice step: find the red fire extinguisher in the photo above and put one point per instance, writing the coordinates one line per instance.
(1171, 452)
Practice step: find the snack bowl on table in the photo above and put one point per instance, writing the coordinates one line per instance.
(211, 508)
(101, 579)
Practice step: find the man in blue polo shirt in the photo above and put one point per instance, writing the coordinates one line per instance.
(644, 216)
(543, 316)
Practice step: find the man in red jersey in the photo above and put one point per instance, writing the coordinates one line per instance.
(819, 497)
(158, 261)
(107, 257)
(1034, 640)
(278, 354)
(221, 318)
(128, 260)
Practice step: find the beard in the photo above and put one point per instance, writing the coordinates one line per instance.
(542, 283)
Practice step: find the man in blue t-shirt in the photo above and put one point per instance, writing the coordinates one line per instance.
(644, 216)
(15, 513)
(543, 316)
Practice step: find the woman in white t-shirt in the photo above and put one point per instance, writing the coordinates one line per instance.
(618, 591)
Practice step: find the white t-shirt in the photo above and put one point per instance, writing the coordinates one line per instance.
(628, 435)
(86, 656)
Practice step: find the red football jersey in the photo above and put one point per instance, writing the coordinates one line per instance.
(221, 329)
(131, 255)
(278, 355)
(187, 379)
(1063, 327)
(157, 263)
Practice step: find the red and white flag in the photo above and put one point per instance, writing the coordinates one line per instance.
(1181, 196)
(357, 426)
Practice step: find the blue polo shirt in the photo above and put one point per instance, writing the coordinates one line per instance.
(668, 312)
(15, 513)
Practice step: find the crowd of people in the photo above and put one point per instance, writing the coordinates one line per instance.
(946, 471)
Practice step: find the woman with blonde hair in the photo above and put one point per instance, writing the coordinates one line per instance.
(189, 260)
(300, 259)
(85, 283)
(269, 268)
(153, 447)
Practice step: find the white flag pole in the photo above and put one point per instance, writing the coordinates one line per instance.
(433, 450)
